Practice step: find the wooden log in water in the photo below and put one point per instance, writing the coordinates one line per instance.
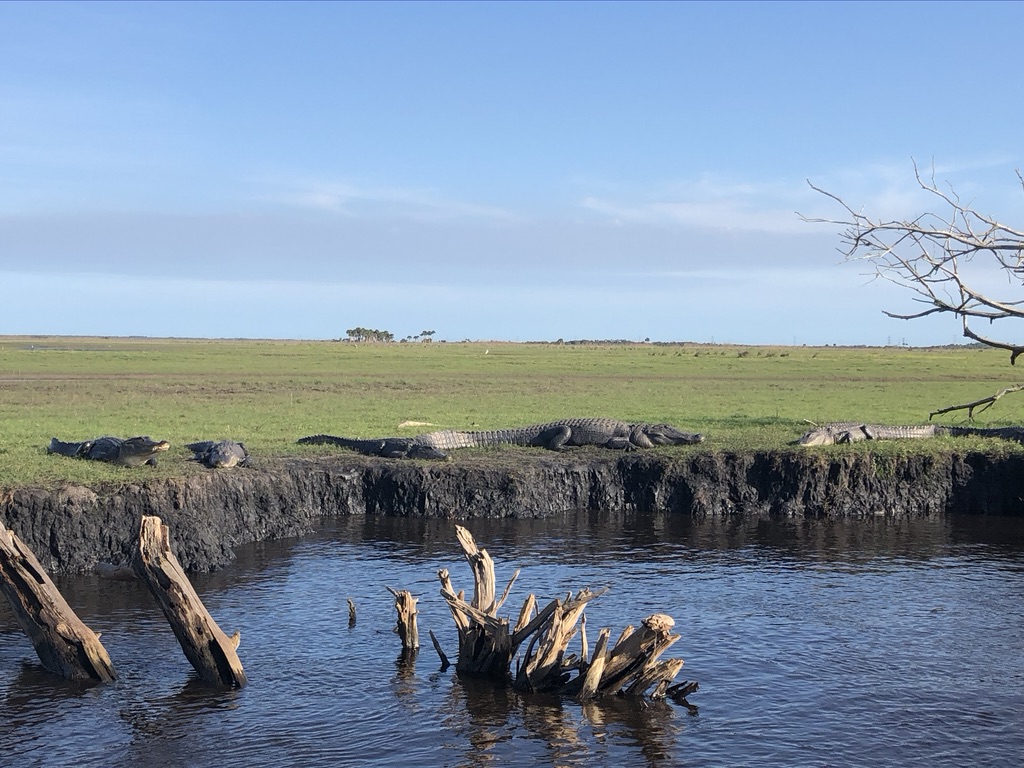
(211, 652)
(406, 629)
(64, 644)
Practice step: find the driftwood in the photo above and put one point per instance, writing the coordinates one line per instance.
(630, 668)
(205, 645)
(64, 644)
(406, 629)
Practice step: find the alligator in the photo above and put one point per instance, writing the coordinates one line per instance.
(555, 436)
(386, 447)
(133, 452)
(565, 433)
(854, 431)
(219, 454)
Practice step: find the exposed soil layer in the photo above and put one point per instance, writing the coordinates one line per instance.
(72, 529)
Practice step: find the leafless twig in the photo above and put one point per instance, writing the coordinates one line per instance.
(928, 256)
(940, 259)
(981, 405)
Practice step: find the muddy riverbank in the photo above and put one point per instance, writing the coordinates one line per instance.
(73, 528)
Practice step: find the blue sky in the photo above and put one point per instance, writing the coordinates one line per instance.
(520, 171)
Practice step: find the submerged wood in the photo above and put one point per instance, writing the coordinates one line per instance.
(210, 651)
(406, 629)
(680, 691)
(630, 668)
(440, 651)
(64, 644)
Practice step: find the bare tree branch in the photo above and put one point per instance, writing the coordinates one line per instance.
(941, 260)
(983, 404)
(1014, 350)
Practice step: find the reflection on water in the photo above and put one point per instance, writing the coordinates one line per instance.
(830, 642)
(488, 724)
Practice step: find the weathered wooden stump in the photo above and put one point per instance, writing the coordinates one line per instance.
(205, 645)
(487, 645)
(64, 644)
(406, 629)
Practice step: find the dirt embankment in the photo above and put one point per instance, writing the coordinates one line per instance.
(73, 528)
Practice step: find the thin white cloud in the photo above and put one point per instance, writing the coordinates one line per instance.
(887, 190)
(709, 203)
(793, 277)
(351, 199)
(716, 215)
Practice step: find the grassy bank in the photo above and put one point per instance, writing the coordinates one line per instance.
(268, 393)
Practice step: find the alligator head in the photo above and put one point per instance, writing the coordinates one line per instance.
(224, 457)
(222, 454)
(819, 436)
(664, 434)
(833, 434)
(136, 451)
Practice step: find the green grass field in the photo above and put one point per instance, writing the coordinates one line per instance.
(269, 393)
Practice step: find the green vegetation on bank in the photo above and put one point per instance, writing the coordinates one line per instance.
(269, 393)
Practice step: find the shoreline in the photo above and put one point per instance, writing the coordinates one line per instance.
(73, 528)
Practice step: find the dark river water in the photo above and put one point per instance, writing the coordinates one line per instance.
(827, 643)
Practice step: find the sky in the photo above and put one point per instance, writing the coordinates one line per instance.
(489, 171)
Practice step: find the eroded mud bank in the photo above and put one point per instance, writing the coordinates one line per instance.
(73, 528)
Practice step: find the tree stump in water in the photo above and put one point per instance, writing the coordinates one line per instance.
(487, 645)
(406, 629)
(64, 644)
(205, 645)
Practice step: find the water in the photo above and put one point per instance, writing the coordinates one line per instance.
(825, 643)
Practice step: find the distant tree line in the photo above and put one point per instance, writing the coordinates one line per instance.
(369, 334)
(374, 335)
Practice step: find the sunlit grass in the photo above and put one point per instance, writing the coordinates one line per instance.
(269, 393)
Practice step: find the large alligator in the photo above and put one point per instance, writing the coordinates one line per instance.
(133, 452)
(838, 432)
(219, 454)
(555, 436)
(560, 435)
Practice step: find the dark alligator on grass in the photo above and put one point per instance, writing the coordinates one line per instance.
(838, 432)
(555, 436)
(386, 447)
(219, 454)
(131, 452)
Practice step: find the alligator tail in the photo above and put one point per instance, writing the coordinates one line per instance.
(323, 440)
